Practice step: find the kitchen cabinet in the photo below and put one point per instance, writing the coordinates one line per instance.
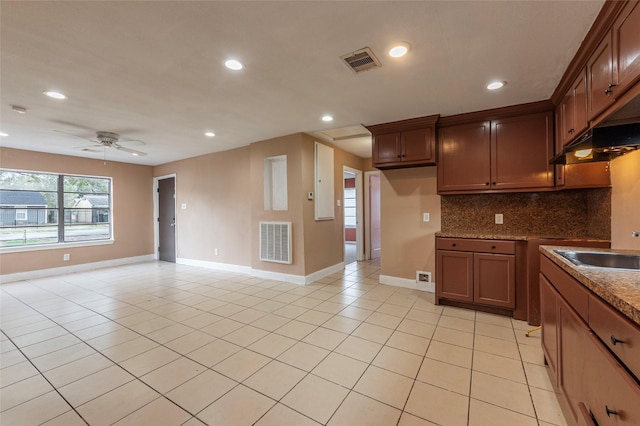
(591, 350)
(614, 66)
(480, 272)
(500, 155)
(572, 112)
(408, 143)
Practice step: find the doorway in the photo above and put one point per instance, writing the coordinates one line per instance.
(166, 218)
(352, 215)
(372, 191)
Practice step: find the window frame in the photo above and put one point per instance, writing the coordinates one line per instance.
(61, 224)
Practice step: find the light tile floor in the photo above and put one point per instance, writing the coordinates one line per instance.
(165, 344)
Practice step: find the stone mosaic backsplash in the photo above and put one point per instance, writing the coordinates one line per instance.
(579, 213)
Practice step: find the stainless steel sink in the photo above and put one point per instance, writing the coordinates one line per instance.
(601, 259)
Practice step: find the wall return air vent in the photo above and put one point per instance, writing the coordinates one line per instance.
(275, 242)
(361, 60)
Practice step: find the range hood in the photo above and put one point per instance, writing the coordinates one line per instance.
(601, 144)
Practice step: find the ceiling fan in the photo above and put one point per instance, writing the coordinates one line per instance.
(105, 140)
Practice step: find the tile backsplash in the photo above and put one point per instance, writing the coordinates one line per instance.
(579, 213)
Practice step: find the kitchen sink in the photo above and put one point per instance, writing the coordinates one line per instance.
(601, 259)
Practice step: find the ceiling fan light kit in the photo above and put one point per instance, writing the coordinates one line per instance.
(105, 140)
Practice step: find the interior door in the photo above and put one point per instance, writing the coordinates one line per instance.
(374, 213)
(167, 219)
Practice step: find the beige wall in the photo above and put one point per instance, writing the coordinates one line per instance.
(291, 147)
(132, 210)
(323, 239)
(625, 201)
(408, 243)
(216, 189)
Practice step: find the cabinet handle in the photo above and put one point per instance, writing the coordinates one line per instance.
(486, 183)
(493, 247)
(610, 411)
(608, 90)
(586, 414)
(615, 341)
(453, 245)
(493, 183)
(570, 131)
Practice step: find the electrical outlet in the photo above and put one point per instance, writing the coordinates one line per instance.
(66, 257)
(426, 217)
(423, 277)
(499, 219)
(215, 252)
(183, 206)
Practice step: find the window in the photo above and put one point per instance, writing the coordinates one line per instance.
(32, 203)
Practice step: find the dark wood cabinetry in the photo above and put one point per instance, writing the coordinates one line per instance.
(599, 379)
(503, 154)
(476, 271)
(614, 66)
(407, 143)
(572, 112)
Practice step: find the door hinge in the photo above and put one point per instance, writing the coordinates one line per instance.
(158, 219)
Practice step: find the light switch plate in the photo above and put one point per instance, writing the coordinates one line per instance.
(309, 195)
(499, 219)
(338, 203)
(426, 217)
(184, 206)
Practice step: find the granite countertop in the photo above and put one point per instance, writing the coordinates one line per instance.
(619, 287)
(522, 237)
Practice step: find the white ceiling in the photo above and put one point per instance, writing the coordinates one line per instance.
(154, 70)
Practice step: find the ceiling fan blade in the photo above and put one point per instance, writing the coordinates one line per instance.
(90, 148)
(130, 151)
(75, 136)
(135, 142)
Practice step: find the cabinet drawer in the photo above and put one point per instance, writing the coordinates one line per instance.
(481, 246)
(611, 327)
(613, 395)
(575, 293)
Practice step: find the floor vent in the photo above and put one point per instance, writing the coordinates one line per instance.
(361, 60)
(275, 242)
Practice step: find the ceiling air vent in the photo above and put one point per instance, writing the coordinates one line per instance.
(361, 60)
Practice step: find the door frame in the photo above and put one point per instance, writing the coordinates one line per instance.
(359, 213)
(156, 212)
(367, 212)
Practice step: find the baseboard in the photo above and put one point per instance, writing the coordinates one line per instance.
(228, 267)
(42, 273)
(314, 276)
(407, 283)
(278, 276)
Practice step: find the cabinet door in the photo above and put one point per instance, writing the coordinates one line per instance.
(520, 151)
(494, 280)
(567, 129)
(418, 146)
(613, 396)
(626, 43)
(573, 341)
(579, 96)
(386, 148)
(549, 323)
(600, 78)
(454, 275)
(463, 158)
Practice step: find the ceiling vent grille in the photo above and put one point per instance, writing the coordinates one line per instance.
(361, 60)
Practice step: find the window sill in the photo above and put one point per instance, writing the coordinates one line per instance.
(56, 246)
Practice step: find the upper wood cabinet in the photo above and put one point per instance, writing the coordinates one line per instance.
(615, 64)
(496, 156)
(572, 112)
(408, 143)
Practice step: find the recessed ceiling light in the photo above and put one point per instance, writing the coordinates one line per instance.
(233, 64)
(494, 85)
(55, 95)
(209, 134)
(18, 109)
(398, 50)
(327, 118)
(3, 134)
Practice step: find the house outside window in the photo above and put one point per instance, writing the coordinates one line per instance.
(44, 208)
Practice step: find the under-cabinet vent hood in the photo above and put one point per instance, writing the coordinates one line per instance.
(601, 144)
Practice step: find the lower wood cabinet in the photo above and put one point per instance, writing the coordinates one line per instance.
(600, 385)
(476, 271)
